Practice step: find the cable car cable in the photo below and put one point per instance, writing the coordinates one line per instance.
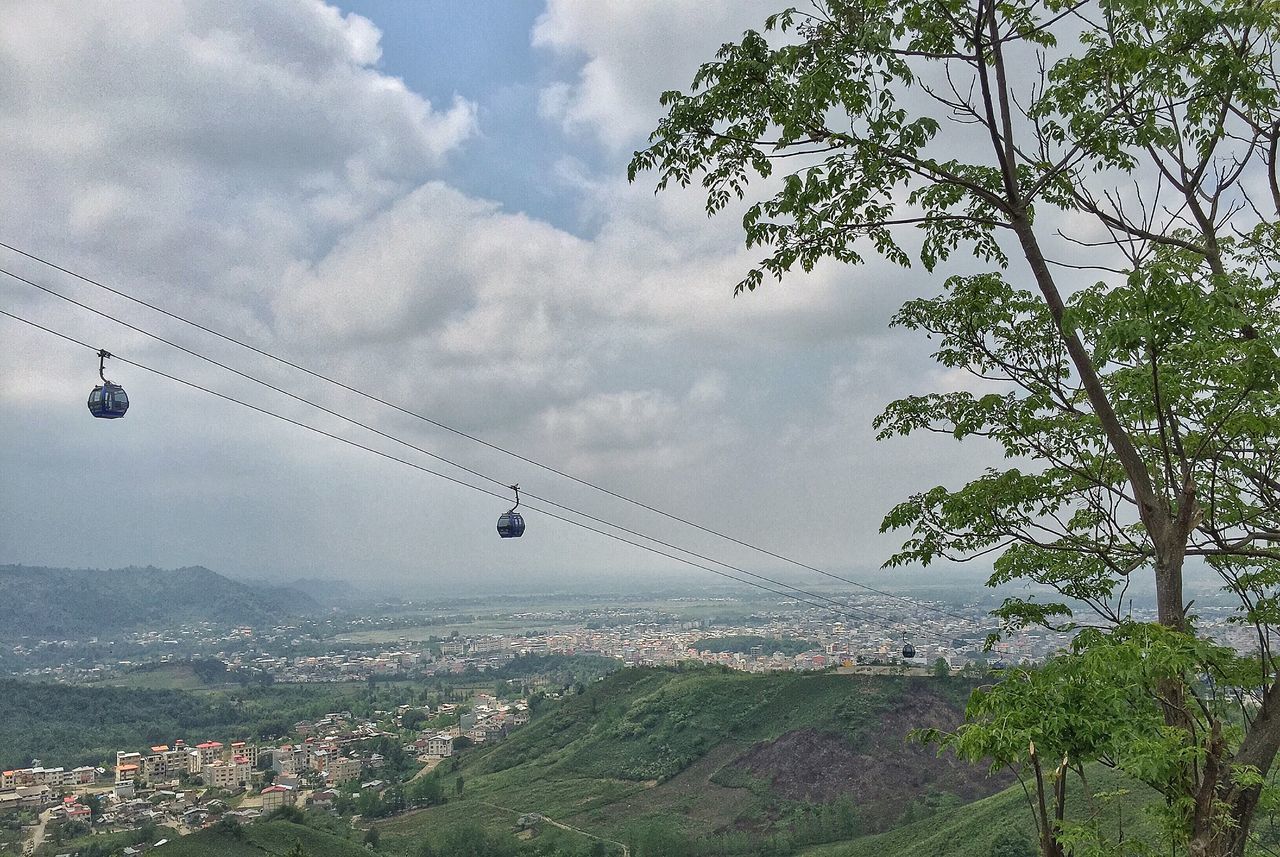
(831, 605)
(475, 439)
(416, 448)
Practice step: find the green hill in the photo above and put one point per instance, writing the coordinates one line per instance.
(274, 838)
(1002, 824)
(76, 724)
(64, 603)
(744, 764)
(701, 762)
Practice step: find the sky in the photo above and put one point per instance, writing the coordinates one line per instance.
(428, 201)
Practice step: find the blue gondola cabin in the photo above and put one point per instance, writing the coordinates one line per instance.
(511, 525)
(108, 401)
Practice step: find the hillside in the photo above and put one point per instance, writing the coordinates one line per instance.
(1001, 824)
(63, 603)
(86, 725)
(741, 763)
(700, 762)
(265, 839)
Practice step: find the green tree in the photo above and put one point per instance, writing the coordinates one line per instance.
(1011, 843)
(941, 668)
(289, 813)
(1124, 154)
(94, 802)
(372, 837)
(297, 850)
(426, 791)
(413, 719)
(227, 826)
(457, 786)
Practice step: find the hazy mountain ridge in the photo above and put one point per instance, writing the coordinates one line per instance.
(64, 603)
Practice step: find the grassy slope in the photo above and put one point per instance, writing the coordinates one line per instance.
(973, 829)
(606, 762)
(266, 838)
(648, 745)
(171, 676)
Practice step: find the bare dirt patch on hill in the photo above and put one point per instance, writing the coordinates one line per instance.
(882, 772)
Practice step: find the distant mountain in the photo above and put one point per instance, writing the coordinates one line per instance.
(328, 591)
(64, 603)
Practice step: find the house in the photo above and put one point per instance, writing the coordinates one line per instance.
(440, 745)
(208, 751)
(34, 797)
(342, 769)
(274, 797)
(249, 751)
(195, 817)
(232, 775)
(81, 776)
(324, 798)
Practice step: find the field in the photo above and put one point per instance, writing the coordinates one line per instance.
(484, 619)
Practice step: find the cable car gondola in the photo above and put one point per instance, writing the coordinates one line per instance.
(908, 650)
(107, 401)
(511, 522)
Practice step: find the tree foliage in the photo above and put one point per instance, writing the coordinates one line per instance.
(1124, 154)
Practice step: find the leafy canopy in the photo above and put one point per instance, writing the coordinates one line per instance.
(1124, 154)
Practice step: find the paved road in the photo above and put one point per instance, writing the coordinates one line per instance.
(626, 852)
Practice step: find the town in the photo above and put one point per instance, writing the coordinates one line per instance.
(769, 637)
(330, 764)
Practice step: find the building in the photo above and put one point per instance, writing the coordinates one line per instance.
(40, 776)
(249, 751)
(128, 768)
(231, 775)
(274, 797)
(209, 751)
(342, 768)
(289, 759)
(162, 763)
(440, 745)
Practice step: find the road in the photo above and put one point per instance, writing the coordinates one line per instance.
(37, 834)
(430, 766)
(626, 852)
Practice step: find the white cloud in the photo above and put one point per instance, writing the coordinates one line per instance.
(631, 52)
(201, 132)
(250, 164)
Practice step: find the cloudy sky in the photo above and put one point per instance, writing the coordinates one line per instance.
(427, 200)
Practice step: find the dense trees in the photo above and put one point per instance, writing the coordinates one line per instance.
(1124, 153)
(86, 725)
